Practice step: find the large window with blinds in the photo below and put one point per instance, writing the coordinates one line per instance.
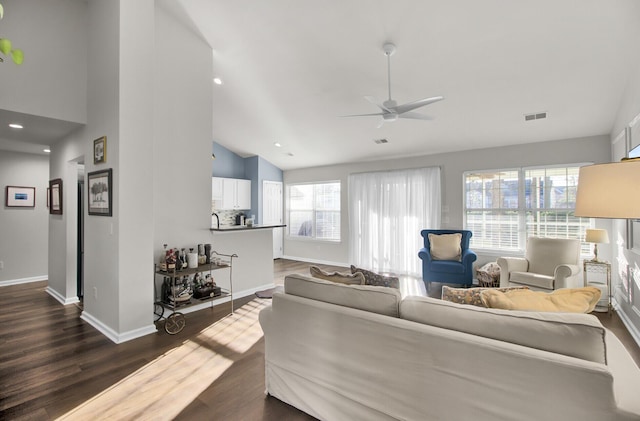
(313, 211)
(504, 207)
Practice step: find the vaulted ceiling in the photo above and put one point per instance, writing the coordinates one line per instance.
(290, 69)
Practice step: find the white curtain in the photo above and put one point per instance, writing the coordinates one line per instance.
(387, 211)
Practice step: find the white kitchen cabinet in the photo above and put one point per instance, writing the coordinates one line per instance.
(231, 193)
(216, 188)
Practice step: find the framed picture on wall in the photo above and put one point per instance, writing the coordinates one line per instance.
(99, 192)
(100, 150)
(55, 196)
(20, 197)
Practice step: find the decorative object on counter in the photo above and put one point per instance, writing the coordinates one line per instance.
(163, 259)
(170, 259)
(192, 259)
(183, 258)
(207, 252)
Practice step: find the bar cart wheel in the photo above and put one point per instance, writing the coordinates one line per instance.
(174, 323)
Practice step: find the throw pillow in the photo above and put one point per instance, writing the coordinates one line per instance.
(469, 296)
(341, 278)
(569, 300)
(372, 278)
(445, 246)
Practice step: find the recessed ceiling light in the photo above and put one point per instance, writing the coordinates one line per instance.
(15, 126)
(46, 150)
(217, 81)
(277, 144)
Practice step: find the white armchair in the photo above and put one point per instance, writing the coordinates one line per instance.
(549, 264)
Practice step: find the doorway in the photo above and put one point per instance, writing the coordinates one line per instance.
(272, 213)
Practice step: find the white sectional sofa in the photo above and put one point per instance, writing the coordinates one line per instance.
(354, 352)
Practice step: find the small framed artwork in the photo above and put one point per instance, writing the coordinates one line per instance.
(100, 150)
(100, 193)
(55, 196)
(20, 197)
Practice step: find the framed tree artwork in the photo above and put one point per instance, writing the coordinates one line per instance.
(99, 192)
(55, 196)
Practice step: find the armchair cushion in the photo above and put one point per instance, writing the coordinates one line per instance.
(446, 246)
(534, 279)
(572, 300)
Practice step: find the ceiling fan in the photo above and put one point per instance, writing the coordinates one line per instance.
(390, 110)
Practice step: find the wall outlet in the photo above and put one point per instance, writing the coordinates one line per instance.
(95, 293)
(1, 264)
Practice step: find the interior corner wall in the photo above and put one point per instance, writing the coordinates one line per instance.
(590, 149)
(182, 164)
(23, 249)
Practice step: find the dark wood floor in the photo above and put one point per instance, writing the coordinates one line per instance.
(51, 361)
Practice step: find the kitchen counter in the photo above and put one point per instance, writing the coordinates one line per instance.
(229, 228)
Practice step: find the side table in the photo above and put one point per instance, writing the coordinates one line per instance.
(597, 273)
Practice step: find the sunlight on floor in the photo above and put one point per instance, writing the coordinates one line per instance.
(164, 387)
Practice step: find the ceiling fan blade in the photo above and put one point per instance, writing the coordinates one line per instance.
(414, 116)
(377, 104)
(417, 104)
(361, 115)
(380, 124)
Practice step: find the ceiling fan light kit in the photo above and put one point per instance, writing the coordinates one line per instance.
(389, 109)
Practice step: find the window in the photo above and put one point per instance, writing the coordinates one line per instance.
(313, 210)
(504, 207)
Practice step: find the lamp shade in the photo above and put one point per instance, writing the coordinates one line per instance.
(597, 236)
(609, 190)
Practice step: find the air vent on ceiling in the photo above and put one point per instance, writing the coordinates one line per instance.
(535, 116)
(380, 141)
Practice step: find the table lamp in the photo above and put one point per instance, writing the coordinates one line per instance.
(596, 236)
(609, 190)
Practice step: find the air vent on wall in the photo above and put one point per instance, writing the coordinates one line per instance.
(380, 141)
(535, 116)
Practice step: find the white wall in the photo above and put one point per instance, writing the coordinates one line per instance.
(626, 261)
(591, 149)
(24, 231)
(52, 81)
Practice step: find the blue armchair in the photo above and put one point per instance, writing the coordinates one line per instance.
(447, 271)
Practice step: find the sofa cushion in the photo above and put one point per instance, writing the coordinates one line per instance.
(375, 299)
(372, 278)
(470, 296)
(576, 335)
(341, 278)
(572, 300)
(445, 246)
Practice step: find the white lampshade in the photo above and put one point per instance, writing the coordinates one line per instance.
(609, 190)
(597, 236)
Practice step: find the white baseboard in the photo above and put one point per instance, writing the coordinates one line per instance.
(133, 334)
(60, 298)
(24, 280)
(112, 334)
(317, 261)
(633, 330)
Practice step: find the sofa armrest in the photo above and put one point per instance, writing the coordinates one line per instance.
(511, 264)
(425, 254)
(566, 276)
(468, 257)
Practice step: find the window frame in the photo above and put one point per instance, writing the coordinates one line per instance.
(522, 209)
(314, 210)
